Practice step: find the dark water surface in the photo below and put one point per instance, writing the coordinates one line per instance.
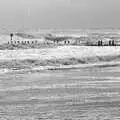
(74, 94)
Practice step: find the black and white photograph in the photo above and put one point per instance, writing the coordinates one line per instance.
(59, 59)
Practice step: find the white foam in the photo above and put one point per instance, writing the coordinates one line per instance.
(59, 53)
(80, 84)
(3, 71)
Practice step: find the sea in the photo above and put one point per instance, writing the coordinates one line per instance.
(90, 92)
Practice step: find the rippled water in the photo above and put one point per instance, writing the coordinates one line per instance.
(66, 83)
(91, 93)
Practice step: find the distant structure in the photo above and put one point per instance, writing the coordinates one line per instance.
(83, 39)
(24, 39)
(11, 35)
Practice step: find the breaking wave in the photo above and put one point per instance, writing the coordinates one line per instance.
(58, 64)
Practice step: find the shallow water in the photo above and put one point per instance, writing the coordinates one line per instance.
(79, 83)
(91, 93)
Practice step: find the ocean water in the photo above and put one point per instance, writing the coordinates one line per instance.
(74, 94)
(86, 91)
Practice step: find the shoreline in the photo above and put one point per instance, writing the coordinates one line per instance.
(61, 58)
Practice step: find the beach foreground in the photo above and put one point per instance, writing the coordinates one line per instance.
(67, 83)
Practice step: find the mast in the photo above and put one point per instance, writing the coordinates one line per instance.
(11, 37)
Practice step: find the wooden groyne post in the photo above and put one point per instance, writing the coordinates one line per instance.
(100, 43)
(11, 38)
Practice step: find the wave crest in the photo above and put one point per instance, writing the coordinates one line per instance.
(54, 64)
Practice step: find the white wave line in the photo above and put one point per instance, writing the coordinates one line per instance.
(55, 86)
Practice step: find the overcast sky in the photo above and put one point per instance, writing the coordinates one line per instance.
(60, 14)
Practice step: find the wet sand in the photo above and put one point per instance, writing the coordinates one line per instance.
(74, 94)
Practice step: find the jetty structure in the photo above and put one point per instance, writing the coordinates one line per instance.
(80, 38)
(52, 39)
(83, 40)
(27, 39)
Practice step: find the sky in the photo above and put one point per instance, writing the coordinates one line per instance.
(59, 14)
